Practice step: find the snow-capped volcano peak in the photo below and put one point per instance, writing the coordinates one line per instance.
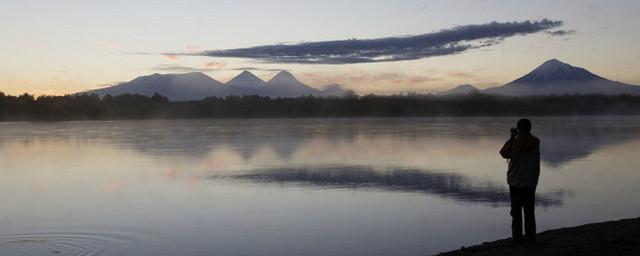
(557, 77)
(555, 70)
(551, 66)
(246, 79)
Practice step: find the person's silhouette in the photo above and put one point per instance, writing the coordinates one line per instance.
(523, 152)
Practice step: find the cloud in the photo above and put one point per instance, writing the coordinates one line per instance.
(443, 42)
(180, 68)
(460, 75)
(110, 84)
(210, 66)
(353, 78)
(214, 65)
(561, 32)
(259, 69)
(170, 57)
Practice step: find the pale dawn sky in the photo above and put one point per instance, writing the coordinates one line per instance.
(59, 47)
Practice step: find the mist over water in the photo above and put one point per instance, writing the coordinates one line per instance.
(298, 186)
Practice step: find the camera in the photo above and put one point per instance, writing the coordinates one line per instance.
(514, 132)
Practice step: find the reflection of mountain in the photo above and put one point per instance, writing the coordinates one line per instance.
(568, 139)
(446, 185)
(563, 138)
(558, 150)
(196, 138)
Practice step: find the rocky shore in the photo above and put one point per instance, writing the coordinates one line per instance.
(620, 237)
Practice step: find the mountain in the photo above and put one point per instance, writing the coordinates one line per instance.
(284, 84)
(246, 79)
(245, 83)
(333, 90)
(461, 90)
(197, 86)
(556, 77)
(176, 87)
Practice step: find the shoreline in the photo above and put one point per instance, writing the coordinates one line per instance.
(619, 237)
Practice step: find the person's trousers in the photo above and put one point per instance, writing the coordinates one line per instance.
(523, 199)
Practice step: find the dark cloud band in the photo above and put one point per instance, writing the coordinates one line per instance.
(443, 42)
(561, 32)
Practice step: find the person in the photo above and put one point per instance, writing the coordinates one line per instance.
(523, 153)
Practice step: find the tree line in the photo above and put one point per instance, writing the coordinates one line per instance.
(92, 107)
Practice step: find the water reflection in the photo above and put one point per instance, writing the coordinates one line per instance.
(442, 184)
(574, 141)
(563, 139)
(401, 183)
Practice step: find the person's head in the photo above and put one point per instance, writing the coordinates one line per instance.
(524, 126)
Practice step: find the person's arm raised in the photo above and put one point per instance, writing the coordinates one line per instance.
(507, 149)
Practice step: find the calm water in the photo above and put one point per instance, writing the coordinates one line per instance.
(297, 187)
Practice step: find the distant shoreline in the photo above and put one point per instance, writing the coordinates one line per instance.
(303, 118)
(133, 107)
(621, 237)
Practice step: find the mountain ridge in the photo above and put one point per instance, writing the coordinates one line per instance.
(287, 85)
(555, 70)
(462, 89)
(554, 77)
(246, 79)
(197, 86)
(181, 87)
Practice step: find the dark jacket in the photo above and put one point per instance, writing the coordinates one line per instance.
(523, 153)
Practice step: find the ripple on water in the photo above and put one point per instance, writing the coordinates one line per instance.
(77, 244)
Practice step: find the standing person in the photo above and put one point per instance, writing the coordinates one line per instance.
(523, 152)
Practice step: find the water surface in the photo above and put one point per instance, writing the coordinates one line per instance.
(297, 186)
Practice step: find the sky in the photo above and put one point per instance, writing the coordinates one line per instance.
(382, 47)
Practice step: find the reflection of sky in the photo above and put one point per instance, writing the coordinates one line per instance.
(150, 180)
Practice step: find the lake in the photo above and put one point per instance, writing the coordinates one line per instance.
(298, 186)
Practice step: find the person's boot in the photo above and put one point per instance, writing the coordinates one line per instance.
(531, 239)
(516, 241)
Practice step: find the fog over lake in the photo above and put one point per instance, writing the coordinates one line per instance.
(396, 186)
